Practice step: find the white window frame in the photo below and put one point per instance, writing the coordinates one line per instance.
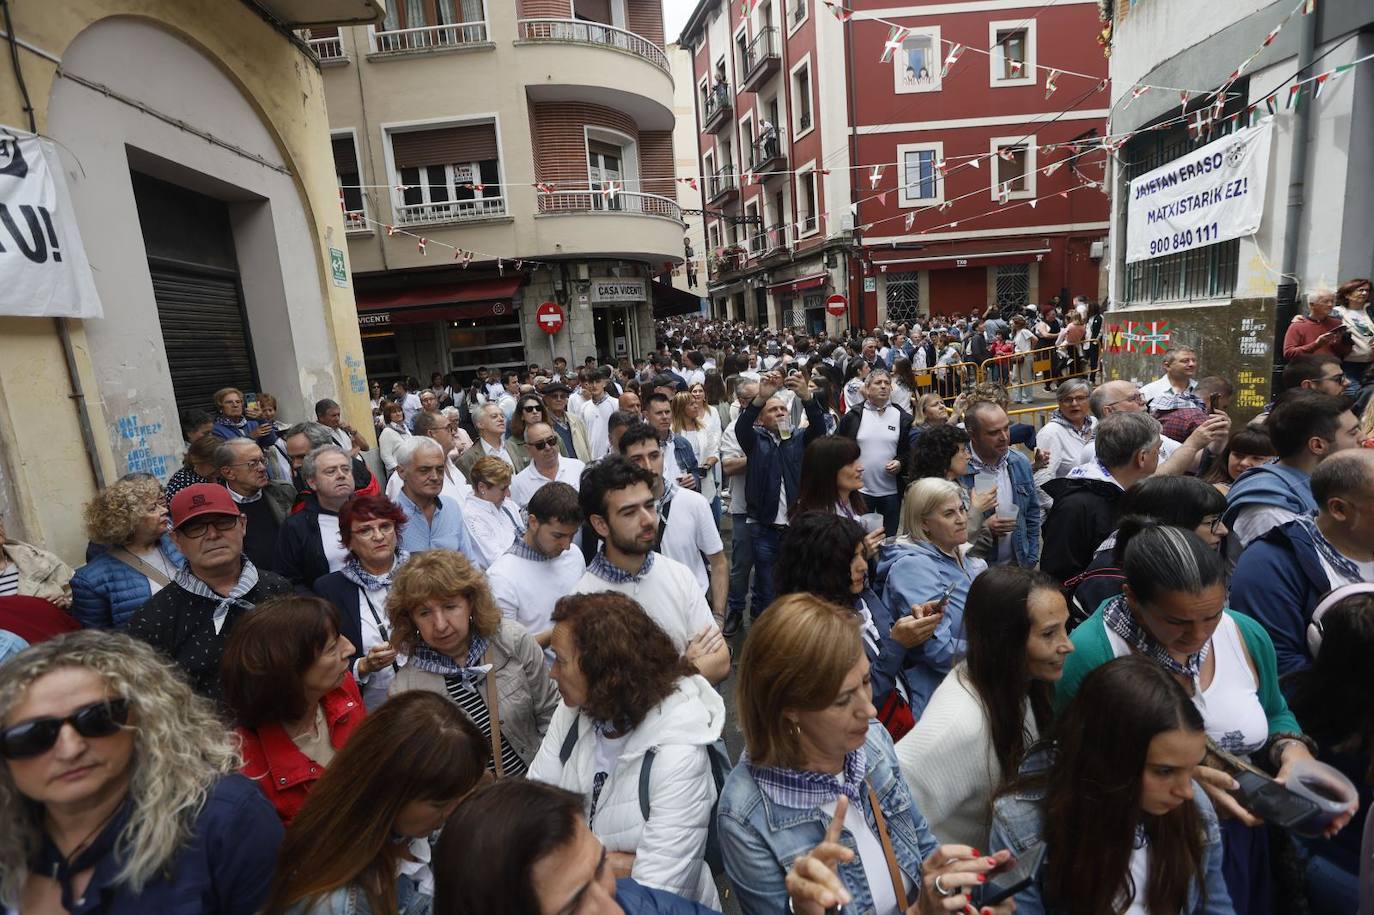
(803, 64)
(394, 174)
(753, 138)
(1030, 75)
(1032, 150)
(905, 201)
(352, 134)
(756, 231)
(703, 92)
(899, 84)
(629, 157)
(804, 173)
(806, 15)
(736, 62)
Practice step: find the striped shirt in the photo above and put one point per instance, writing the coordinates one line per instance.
(9, 580)
(475, 707)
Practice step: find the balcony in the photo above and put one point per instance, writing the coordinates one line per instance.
(761, 60)
(450, 211)
(768, 160)
(459, 36)
(571, 60)
(328, 51)
(645, 226)
(729, 260)
(722, 186)
(716, 108)
(298, 13)
(798, 13)
(355, 222)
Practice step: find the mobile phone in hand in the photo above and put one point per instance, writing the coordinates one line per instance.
(940, 604)
(1009, 878)
(1271, 801)
(1213, 401)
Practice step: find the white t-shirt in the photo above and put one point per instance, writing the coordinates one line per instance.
(375, 689)
(597, 417)
(329, 538)
(668, 593)
(873, 859)
(1254, 521)
(491, 528)
(734, 483)
(529, 481)
(455, 486)
(153, 557)
(526, 589)
(690, 532)
(878, 433)
(1167, 447)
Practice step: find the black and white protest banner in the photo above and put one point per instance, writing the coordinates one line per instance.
(1212, 194)
(43, 268)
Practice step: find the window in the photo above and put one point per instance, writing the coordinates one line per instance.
(916, 67)
(447, 23)
(1013, 285)
(605, 164)
(1013, 167)
(801, 97)
(758, 235)
(742, 53)
(447, 174)
(350, 182)
(921, 181)
(1011, 61)
(903, 297)
(798, 13)
(807, 208)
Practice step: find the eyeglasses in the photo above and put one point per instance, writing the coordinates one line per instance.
(31, 738)
(1339, 376)
(196, 529)
(256, 462)
(1214, 524)
(532, 408)
(1137, 397)
(551, 442)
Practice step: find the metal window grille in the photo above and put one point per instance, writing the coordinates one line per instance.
(1013, 285)
(793, 314)
(903, 297)
(1208, 272)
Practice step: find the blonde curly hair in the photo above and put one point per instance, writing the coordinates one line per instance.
(181, 748)
(438, 575)
(114, 514)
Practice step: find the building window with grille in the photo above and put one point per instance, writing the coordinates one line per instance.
(1013, 285)
(419, 25)
(921, 182)
(903, 297)
(807, 222)
(1011, 60)
(1196, 275)
(1013, 168)
(448, 174)
(801, 97)
(350, 182)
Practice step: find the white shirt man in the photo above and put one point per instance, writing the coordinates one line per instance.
(596, 416)
(546, 465)
(878, 433)
(1182, 364)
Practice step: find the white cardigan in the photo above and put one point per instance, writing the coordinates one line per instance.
(670, 847)
(948, 762)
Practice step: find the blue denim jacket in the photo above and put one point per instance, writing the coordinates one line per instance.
(1018, 824)
(352, 900)
(761, 839)
(1025, 540)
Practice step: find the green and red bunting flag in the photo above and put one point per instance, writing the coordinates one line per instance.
(1294, 96)
(895, 36)
(951, 59)
(746, 7)
(1321, 83)
(1271, 104)
(1050, 82)
(1309, 6)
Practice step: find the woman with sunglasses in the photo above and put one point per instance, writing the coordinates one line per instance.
(529, 409)
(393, 435)
(118, 792)
(492, 519)
(1172, 610)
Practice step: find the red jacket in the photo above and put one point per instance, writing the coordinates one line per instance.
(281, 770)
(1301, 339)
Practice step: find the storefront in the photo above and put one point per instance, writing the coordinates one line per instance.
(616, 305)
(801, 302)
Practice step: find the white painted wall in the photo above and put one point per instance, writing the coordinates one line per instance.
(686, 163)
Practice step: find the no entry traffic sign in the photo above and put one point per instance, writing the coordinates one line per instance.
(550, 317)
(836, 305)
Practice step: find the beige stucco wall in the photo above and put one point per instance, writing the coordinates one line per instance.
(45, 476)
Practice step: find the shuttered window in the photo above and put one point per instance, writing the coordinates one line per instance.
(204, 332)
(345, 155)
(469, 143)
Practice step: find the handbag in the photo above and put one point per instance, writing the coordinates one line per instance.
(896, 716)
(494, 713)
(893, 871)
(152, 573)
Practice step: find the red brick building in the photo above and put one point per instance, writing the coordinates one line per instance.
(864, 145)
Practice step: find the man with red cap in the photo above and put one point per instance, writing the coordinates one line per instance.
(190, 620)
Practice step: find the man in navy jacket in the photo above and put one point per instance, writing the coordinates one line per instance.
(772, 477)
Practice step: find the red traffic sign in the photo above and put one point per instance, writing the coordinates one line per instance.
(550, 317)
(836, 305)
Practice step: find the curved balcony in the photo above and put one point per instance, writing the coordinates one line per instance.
(570, 60)
(625, 224)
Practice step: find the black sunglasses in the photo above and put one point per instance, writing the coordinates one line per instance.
(31, 738)
(546, 443)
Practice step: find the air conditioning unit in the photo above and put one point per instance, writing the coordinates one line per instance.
(1098, 249)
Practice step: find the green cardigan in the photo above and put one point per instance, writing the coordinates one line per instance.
(1092, 649)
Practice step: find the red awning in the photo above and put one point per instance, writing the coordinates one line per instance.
(806, 282)
(439, 294)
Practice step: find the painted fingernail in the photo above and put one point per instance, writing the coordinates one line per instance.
(977, 853)
(982, 878)
(992, 862)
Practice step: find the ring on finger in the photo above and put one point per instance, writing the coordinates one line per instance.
(941, 888)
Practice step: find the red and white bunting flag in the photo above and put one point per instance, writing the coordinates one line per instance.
(1136, 92)
(544, 187)
(342, 205)
(875, 176)
(1309, 7)
(400, 188)
(1273, 33)
(1003, 193)
(1006, 153)
(1183, 97)
(976, 162)
(940, 167)
(390, 231)
(1102, 86)
(882, 268)
(1017, 66)
(1032, 203)
(420, 245)
(840, 12)
(946, 205)
(895, 36)
(1050, 84)
(910, 218)
(1053, 167)
(954, 224)
(1220, 105)
(825, 173)
(951, 59)
(882, 198)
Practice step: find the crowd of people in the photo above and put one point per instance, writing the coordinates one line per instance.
(1111, 662)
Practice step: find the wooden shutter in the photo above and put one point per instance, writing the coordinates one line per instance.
(345, 155)
(472, 143)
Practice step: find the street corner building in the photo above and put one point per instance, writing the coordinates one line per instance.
(497, 155)
(1243, 136)
(189, 147)
(918, 158)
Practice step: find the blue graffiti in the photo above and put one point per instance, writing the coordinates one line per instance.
(141, 458)
(356, 382)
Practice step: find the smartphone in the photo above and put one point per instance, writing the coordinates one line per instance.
(1272, 802)
(944, 599)
(1213, 401)
(1006, 880)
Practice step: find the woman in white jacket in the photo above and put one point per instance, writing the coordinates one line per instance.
(630, 702)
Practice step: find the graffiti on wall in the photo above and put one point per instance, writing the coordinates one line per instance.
(141, 457)
(1250, 389)
(1253, 337)
(357, 378)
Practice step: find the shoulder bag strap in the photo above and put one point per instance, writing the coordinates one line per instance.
(494, 713)
(893, 871)
(139, 566)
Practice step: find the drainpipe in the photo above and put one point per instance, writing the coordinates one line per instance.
(855, 294)
(1286, 307)
(78, 396)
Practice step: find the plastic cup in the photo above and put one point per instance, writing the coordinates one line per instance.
(1324, 786)
(984, 482)
(1009, 511)
(873, 521)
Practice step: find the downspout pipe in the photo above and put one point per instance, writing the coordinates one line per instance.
(1286, 306)
(78, 397)
(856, 302)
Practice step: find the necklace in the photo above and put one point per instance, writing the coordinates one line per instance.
(86, 842)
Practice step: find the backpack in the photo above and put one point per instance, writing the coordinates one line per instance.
(719, 757)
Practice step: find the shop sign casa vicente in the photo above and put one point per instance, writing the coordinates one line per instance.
(617, 290)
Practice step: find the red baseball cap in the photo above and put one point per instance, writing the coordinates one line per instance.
(201, 499)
